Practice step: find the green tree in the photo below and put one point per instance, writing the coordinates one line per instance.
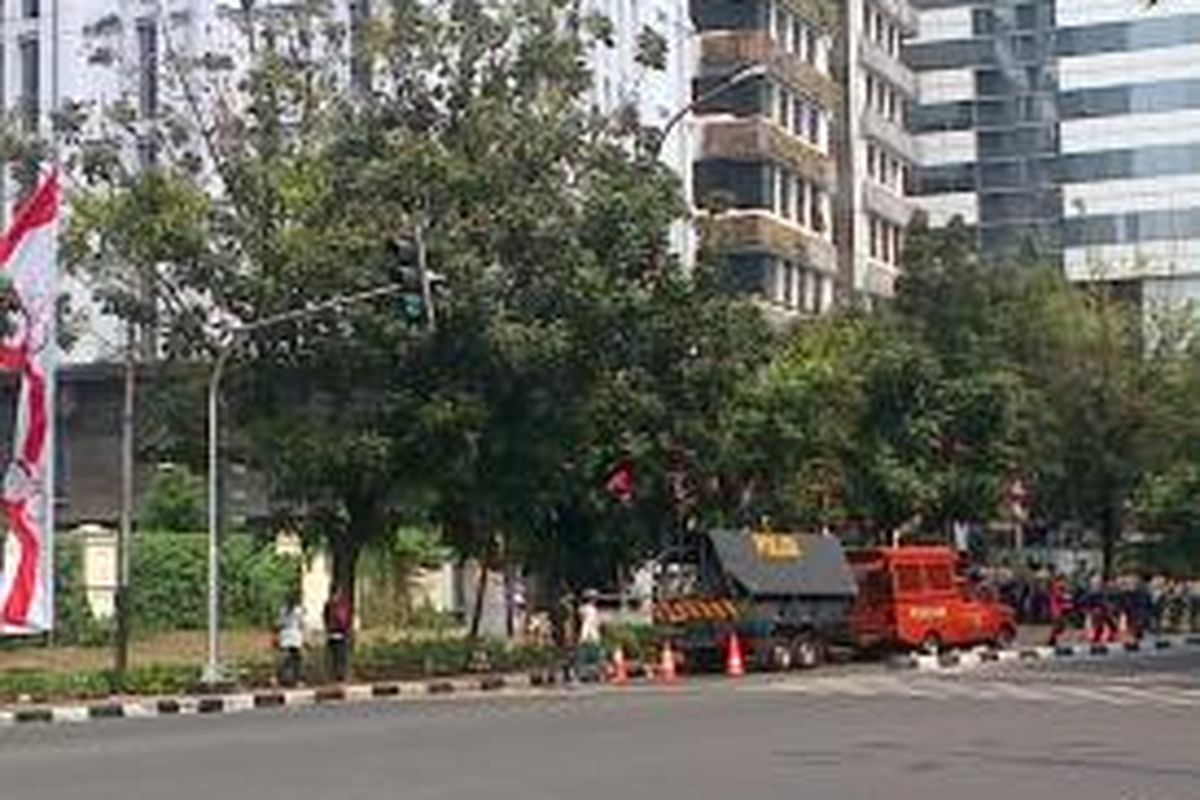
(1097, 394)
(174, 501)
(563, 313)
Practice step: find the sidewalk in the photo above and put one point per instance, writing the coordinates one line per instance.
(235, 702)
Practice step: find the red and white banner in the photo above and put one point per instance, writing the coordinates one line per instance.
(29, 261)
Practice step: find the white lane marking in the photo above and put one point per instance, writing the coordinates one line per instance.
(1098, 695)
(1012, 691)
(358, 692)
(949, 690)
(70, 714)
(238, 702)
(300, 697)
(1159, 696)
(139, 710)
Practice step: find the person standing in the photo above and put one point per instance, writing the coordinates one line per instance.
(291, 641)
(589, 653)
(1059, 605)
(337, 634)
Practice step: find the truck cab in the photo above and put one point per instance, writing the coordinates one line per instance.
(913, 598)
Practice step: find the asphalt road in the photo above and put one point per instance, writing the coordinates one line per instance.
(856, 733)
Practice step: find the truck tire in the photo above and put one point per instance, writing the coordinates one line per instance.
(1004, 638)
(780, 657)
(807, 651)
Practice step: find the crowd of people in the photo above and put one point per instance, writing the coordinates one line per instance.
(1149, 604)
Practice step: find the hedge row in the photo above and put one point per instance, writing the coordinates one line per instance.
(40, 687)
(169, 580)
(391, 661)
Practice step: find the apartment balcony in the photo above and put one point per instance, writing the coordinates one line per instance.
(879, 278)
(761, 231)
(890, 134)
(758, 139)
(891, 206)
(882, 63)
(902, 11)
(721, 51)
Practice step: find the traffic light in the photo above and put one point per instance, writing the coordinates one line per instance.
(412, 308)
(410, 269)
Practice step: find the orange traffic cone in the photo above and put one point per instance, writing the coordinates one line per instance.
(735, 667)
(620, 670)
(666, 665)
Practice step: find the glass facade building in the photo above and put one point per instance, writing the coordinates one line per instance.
(1073, 123)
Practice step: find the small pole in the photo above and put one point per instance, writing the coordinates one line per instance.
(212, 669)
(125, 534)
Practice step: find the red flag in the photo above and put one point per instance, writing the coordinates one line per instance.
(28, 255)
(620, 482)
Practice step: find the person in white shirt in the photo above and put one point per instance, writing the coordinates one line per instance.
(589, 619)
(589, 654)
(291, 641)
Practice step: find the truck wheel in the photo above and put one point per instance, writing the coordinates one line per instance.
(1004, 638)
(806, 651)
(781, 657)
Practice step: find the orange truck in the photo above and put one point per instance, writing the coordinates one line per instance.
(913, 598)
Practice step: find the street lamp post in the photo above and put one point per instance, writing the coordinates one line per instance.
(213, 673)
(733, 79)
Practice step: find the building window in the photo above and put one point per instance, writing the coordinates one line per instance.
(147, 38)
(812, 51)
(31, 9)
(31, 82)
(815, 129)
(783, 193)
(778, 281)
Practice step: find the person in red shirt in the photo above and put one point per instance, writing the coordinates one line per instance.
(1059, 602)
(337, 634)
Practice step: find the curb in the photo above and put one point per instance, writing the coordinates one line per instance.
(968, 659)
(191, 705)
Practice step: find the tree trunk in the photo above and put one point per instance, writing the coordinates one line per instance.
(480, 590)
(1110, 533)
(344, 548)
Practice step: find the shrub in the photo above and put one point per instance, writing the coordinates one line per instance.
(174, 500)
(170, 582)
(639, 642)
(42, 686)
(408, 659)
(74, 624)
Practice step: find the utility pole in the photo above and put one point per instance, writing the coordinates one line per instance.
(213, 673)
(125, 534)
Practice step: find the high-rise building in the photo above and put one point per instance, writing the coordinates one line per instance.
(1070, 123)
(102, 54)
(622, 79)
(878, 155)
(765, 163)
(804, 165)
